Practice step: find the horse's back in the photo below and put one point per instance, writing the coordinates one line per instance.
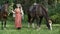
(35, 10)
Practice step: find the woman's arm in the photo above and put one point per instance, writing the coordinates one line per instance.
(13, 11)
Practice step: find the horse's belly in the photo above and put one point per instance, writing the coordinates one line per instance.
(32, 14)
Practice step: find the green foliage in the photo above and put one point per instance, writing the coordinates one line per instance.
(56, 18)
(54, 13)
(53, 8)
(10, 8)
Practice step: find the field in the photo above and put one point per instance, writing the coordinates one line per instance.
(25, 30)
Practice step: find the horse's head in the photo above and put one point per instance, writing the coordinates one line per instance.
(6, 3)
(50, 23)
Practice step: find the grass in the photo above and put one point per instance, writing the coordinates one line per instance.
(25, 30)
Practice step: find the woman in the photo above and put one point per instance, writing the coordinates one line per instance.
(18, 17)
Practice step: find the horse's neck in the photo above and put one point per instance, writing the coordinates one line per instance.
(43, 7)
(44, 10)
(6, 7)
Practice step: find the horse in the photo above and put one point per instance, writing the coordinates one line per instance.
(37, 12)
(4, 14)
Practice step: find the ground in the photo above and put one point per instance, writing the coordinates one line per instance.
(25, 30)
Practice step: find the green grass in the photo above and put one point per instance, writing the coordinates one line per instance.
(25, 30)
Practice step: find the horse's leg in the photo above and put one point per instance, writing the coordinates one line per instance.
(32, 22)
(29, 19)
(2, 24)
(5, 23)
(39, 23)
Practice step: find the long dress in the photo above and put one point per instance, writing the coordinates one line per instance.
(18, 18)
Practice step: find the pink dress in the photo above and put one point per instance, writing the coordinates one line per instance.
(18, 18)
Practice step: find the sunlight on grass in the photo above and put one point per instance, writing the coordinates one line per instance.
(25, 30)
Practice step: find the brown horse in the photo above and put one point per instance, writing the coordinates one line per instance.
(4, 14)
(37, 12)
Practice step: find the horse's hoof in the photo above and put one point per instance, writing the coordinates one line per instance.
(4, 28)
(33, 25)
(50, 29)
(29, 25)
(38, 29)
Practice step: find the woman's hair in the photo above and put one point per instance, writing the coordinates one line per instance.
(18, 5)
(14, 6)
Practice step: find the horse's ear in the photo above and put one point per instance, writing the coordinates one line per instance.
(6, 2)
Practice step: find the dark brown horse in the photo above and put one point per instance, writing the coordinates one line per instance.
(37, 12)
(4, 14)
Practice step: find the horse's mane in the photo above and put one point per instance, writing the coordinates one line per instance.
(43, 7)
(45, 10)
